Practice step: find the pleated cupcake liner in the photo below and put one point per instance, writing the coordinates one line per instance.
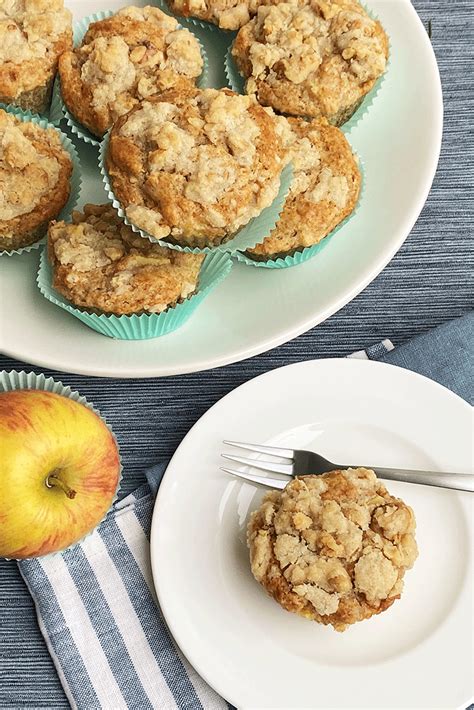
(75, 180)
(20, 380)
(215, 268)
(236, 82)
(79, 32)
(299, 257)
(247, 237)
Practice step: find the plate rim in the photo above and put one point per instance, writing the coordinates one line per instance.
(367, 275)
(354, 363)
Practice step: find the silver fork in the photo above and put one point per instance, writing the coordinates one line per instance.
(304, 463)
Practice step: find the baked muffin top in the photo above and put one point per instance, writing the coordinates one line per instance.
(123, 59)
(333, 548)
(100, 264)
(325, 187)
(227, 14)
(316, 58)
(32, 35)
(195, 165)
(34, 173)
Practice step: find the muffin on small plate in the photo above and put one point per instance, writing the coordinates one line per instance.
(124, 59)
(35, 172)
(193, 166)
(99, 264)
(333, 548)
(33, 34)
(325, 188)
(226, 14)
(313, 59)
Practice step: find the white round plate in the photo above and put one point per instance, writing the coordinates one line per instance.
(257, 309)
(417, 654)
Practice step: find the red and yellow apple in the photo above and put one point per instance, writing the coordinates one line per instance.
(59, 471)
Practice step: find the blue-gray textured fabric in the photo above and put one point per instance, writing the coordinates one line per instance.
(428, 283)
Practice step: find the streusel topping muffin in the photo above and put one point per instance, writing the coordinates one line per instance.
(195, 166)
(325, 187)
(333, 548)
(33, 33)
(227, 14)
(123, 59)
(315, 59)
(34, 180)
(100, 264)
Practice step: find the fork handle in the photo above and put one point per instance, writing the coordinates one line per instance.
(456, 481)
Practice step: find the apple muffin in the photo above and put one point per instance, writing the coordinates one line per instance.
(226, 14)
(138, 52)
(325, 188)
(33, 34)
(35, 173)
(193, 166)
(99, 264)
(333, 548)
(314, 59)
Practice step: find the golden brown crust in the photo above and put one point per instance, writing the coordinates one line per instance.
(312, 59)
(34, 180)
(227, 14)
(33, 34)
(333, 548)
(325, 187)
(124, 59)
(195, 165)
(101, 265)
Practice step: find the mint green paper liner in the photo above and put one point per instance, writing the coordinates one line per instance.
(75, 180)
(299, 257)
(214, 269)
(79, 31)
(236, 82)
(20, 380)
(251, 234)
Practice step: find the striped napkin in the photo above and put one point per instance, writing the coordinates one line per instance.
(98, 613)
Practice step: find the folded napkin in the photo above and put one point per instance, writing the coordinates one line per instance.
(96, 603)
(98, 613)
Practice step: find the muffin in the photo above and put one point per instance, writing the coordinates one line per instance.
(193, 166)
(333, 548)
(123, 59)
(100, 265)
(33, 34)
(226, 14)
(325, 187)
(314, 59)
(34, 180)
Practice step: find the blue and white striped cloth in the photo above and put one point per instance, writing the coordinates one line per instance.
(98, 613)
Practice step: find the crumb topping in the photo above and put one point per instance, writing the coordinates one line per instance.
(99, 263)
(327, 53)
(207, 161)
(228, 14)
(126, 58)
(30, 28)
(30, 164)
(333, 547)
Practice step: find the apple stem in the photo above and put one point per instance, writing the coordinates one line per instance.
(53, 480)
